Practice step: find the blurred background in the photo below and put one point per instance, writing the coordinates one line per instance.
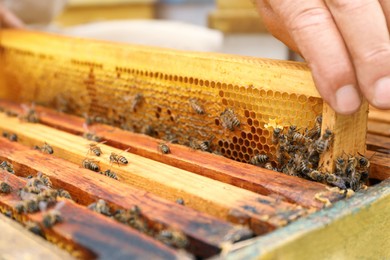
(226, 26)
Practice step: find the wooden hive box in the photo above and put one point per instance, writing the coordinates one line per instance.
(232, 209)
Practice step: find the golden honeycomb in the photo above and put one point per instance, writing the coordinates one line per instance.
(57, 71)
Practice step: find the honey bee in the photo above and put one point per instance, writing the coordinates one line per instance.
(5, 188)
(316, 175)
(363, 163)
(269, 166)
(276, 135)
(300, 138)
(173, 238)
(291, 131)
(229, 119)
(323, 143)
(46, 148)
(289, 168)
(100, 207)
(51, 218)
(340, 166)
(315, 132)
(11, 137)
(90, 165)
(110, 174)
(335, 180)
(44, 179)
(95, 149)
(30, 114)
(164, 148)
(34, 228)
(7, 167)
(11, 113)
(136, 102)
(180, 201)
(196, 106)
(259, 159)
(63, 194)
(92, 137)
(31, 205)
(20, 208)
(118, 158)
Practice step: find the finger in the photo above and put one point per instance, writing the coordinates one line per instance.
(319, 41)
(8, 19)
(386, 9)
(364, 29)
(275, 25)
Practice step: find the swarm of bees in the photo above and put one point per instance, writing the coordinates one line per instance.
(45, 148)
(172, 238)
(298, 154)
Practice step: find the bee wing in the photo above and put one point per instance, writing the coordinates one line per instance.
(60, 205)
(42, 205)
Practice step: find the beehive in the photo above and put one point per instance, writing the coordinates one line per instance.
(225, 200)
(102, 79)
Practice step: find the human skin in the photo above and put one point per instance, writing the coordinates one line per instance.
(8, 19)
(346, 44)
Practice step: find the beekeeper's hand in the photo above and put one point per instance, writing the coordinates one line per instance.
(8, 19)
(345, 42)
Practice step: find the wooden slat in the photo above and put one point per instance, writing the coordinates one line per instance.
(380, 165)
(204, 194)
(18, 243)
(378, 128)
(205, 233)
(349, 134)
(378, 143)
(358, 228)
(246, 176)
(379, 115)
(90, 235)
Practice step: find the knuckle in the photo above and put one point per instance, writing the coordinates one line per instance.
(374, 55)
(348, 5)
(309, 18)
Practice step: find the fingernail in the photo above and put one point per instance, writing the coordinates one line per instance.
(382, 93)
(347, 100)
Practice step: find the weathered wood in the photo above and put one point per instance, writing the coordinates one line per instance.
(379, 115)
(349, 134)
(205, 233)
(358, 228)
(18, 243)
(204, 194)
(246, 176)
(380, 165)
(87, 234)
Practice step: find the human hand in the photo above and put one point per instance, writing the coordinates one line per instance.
(346, 44)
(8, 19)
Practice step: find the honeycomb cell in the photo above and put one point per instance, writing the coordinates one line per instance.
(231, 146)
(220, 143)
(266, 148)
(228, 152)
(175, 78)
(256, 123)
(237, 147)
(221, 93)
(201, 82)
(237, 103)
(252, 114)
(266, 133)
(273, 150)
(223, 151)
(246, 113)
(247, 90)
(250, 151)
(249, 121)
(224, 102)
(263, 140)
(302, 99)
(230, 102)
(181, 79)
(236, 88)
(227, 94)
(256, 138)
(249, 136)
(244, 149)
(285, 96)
(235, 139)
(253, 130)
(269, 141)
(159, 110)
(270, 94)
(259, 131)
(216, 121)
(226, 145)
(240, 141)
(172, 118)
(263, 93)
(219, 85)
(235, 154)
(241, 155)
(191, 80)
(293, 97)
(207, 83)
(157, 115)
(224, 86)
(243, 135)
(253, 144)
(247, 157)
(246, 143)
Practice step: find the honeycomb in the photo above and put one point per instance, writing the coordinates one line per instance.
(62, 73)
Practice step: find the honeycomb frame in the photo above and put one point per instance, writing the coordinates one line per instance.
(100, 79)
